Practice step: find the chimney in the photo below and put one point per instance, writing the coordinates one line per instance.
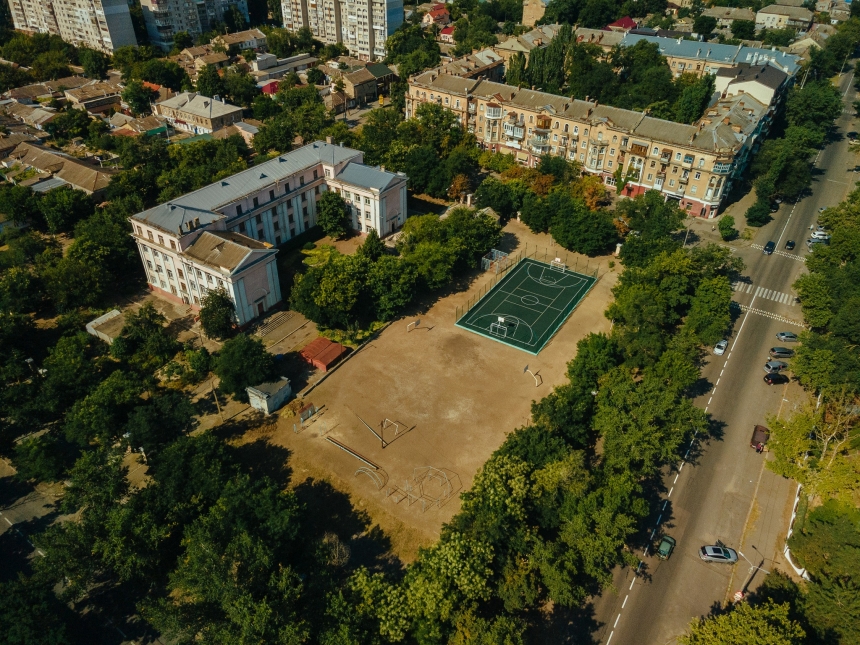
(586, 98)
(382, 168)
(329, 140)
(725, 120)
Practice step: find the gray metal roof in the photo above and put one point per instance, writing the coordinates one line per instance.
(367, 177)
(717, 53)
(203, 203)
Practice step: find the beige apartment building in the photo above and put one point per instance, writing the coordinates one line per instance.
(196, 113)
(693, 164)
(777, 16)
(103, 25)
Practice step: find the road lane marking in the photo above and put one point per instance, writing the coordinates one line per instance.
(616, 621)
(670, 492)
(625, 601)
(7, 521)
(718, 382)
(676, 478)
(653, 533)
(709, 400)
(633, 582)
(680, 467)
(664, 505)
(610, 637)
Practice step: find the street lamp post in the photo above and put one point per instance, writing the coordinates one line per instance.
(751, 573)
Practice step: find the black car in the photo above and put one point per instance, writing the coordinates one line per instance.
(775, 379)
(769, 248)
(789, 246)
(774, 207)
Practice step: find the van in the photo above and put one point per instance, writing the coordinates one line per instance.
(769, 248)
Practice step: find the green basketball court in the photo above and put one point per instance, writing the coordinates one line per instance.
(527, 307)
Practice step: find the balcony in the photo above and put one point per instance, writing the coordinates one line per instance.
(639, 150)
(494, 111)
(543, 123)
(723, 168)
(688, 161)
(514, 132)
(472, 108)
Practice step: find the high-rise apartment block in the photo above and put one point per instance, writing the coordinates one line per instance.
(166, 18)
(104, 25)
(361, 25)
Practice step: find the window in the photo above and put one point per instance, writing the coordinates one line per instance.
(158, 268)
(584, 144)
(238, 209)
(149, 264)
(290, 218)
(172, 245)
(256, 202)
(698, 175)
(609, 164)
(328, 172)
(305, 212)
(585, 132)
(259, 219)
(481, 107)
(694, 189)
(271, 195)
(287, 187)
(366, 214)
(677, 156)
(447, 100)
(199, 274)
(304, 197)
(145, 248)
(650, 176)
(581, 157)
(196, 300)
(182, 286)
(170, 274)
(367, 200)
(208, 278)
(653, 163)
(701, 162)
(671, 182)
(276, 225)
(181, 275)
(347, 194)
(161, 240)
(302, 180)
(163, 284)
(566, 127)
(555, 137)
(316, 174)
(139, 230)
(220, 283)
(316, 190)
(531, 118)
(458, 103)
(612, 152)
(149, 233)
(555, 126)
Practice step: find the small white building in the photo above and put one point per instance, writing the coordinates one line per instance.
(269, 397)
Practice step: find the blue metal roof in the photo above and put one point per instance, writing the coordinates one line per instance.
(367, 176)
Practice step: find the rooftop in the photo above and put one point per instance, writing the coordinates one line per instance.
(767, 75)
(223, 250)
(94, 91)
(240, 36)
(368, 177)
(199, 105)
(203, 203)
(70, 170)
(272, 387)
(795, 13)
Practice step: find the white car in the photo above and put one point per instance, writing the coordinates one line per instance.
(820, 235)
(721, 347)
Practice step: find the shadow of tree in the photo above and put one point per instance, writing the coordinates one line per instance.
(263, 459)
(566, 625)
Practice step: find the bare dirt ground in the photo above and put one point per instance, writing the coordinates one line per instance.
(454, 394)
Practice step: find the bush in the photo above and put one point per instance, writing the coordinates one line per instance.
(758, 214)
(242, 362)
(727, 228)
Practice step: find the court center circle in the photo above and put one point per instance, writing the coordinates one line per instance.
(530, 300)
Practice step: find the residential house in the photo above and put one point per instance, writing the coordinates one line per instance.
(360, 86)
(537, 38)
(196, 113)
(54, 169)
(245, 129)
(384, 77)
(839, 12)
(34, 93)
(267, 67)
(218, 60)
(622, 25)
(447, 35)
(482, 64)
(765, 83)
(777, 16)
(725, 16)
(438, 16)
(223, 235)
(124, 125)
(34, 117)
(249, 39)
(96, 98)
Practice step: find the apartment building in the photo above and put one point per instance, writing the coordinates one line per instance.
(362, 25)
(725, 16)
(165, 18)
(248, 39)
(533, 10)
(196, 113)
(693, 164)
(104, 25)
(224, 234)
(537, 38)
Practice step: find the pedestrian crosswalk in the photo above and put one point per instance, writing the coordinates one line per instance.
(761, 292)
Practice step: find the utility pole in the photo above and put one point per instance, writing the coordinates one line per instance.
(215, 396)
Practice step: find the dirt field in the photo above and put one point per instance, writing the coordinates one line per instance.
(455, 394)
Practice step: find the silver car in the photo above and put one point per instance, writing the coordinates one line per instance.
(787, 337)
(772, 367)
(718, 554)
(720, 348)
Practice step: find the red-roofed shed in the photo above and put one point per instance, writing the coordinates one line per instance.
(323, 353)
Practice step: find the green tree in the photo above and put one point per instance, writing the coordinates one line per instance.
(240, 87)
(727, 228)
(95, 63)
(315, 76)
(139, 97)
(710, 314)
(704, 25)
(44, 458)
(50, 66)
(277, 134)
(815, 106)
(64, 207)
(69, 124)
(332, 215)
(160, 422)
(497, 195)
(209, 82)
(144, 341)
(583, 231)
(391, 282)
(746, 625)
(100, 416)
(372, 248)
(182, 40)
(32, 614)
(218, 314)
(758, 214)
(243, 362)
(743, 29)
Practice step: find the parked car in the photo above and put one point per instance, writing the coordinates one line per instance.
(789, 246)
(776, 379)
(769, 248)
(720, 348)
(774, 207)
(787, 337)
(718, 554)
(760, 436)
(820, 235)
(811, 243)
(852, 137)
(822, 209)
(667, 545)
(772, 367)
(781, 352)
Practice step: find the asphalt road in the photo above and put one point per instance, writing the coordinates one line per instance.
(711, 496)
